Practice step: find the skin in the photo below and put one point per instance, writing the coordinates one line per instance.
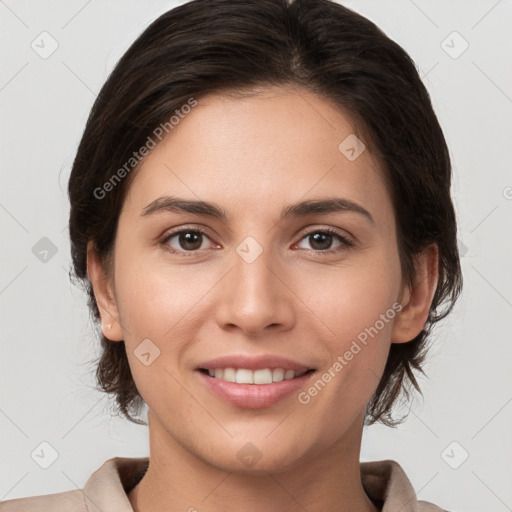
(253, 156)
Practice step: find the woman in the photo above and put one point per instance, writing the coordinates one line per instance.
(261, 217)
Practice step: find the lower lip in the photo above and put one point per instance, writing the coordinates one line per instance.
(254, 396)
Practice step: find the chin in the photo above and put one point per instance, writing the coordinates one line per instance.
(256, 458)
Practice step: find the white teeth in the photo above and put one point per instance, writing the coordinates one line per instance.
(244, 376)
(277, 375)
(262, 376)
(229, 375)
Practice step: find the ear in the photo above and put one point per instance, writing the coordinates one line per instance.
(104, 294)
(417, 298)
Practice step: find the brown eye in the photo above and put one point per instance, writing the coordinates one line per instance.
(187, 240)
(322, 240)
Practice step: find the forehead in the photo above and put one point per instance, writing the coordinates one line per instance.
(276, 146)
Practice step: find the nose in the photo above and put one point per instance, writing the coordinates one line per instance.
(255, 297)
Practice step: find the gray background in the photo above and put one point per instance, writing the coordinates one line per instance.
(47, 341)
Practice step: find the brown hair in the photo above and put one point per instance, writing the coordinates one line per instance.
(229, 46)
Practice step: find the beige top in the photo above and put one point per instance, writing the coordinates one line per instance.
(106, 490)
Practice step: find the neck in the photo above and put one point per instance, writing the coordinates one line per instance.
(177, 479)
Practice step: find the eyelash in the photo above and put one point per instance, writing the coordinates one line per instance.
(346, 243)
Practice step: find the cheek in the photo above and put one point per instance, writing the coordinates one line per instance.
(358, 305)
(352, 299)
(156, 302)
(162, 302)
(152, 297)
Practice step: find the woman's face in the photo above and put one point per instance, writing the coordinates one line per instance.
(257, 283)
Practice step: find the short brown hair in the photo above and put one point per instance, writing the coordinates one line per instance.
(207, 46)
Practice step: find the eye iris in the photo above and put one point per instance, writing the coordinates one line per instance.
(190, 240)
(319, 238)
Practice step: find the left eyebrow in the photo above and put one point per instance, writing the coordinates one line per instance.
(328, 205)
(300, 209)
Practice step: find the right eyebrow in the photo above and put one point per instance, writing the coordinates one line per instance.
(179, 205)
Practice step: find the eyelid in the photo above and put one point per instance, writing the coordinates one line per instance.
(329, 229)
(186, 227)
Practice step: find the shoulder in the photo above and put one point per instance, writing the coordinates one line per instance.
(59, 502)
(387, 482)
(105, 490)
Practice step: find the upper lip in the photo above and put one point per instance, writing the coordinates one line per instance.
(253, 363)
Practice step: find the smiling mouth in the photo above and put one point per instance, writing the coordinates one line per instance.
(257, 377)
